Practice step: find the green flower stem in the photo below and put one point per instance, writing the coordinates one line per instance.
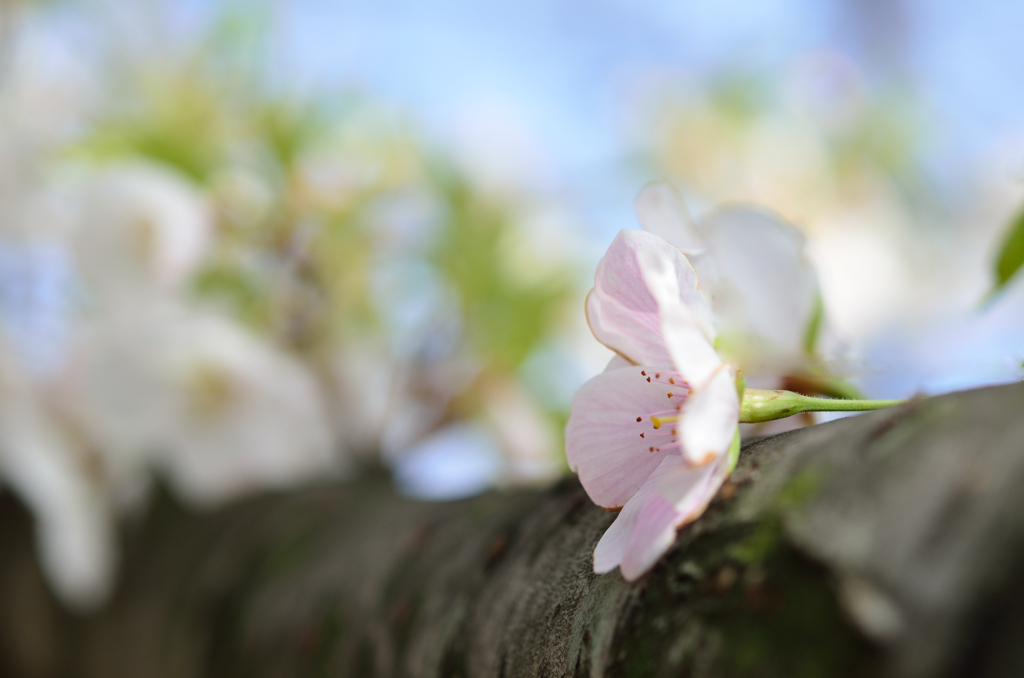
(760, 405)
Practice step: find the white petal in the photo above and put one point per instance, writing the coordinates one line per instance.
(261, 424)
(661, 211)
(109, 390)
(766, 288)
(143, 227)
(74, 528)
(602, 438)
(709, 418)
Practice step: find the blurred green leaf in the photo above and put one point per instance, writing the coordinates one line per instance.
(740, 96)
(342, 257)
(290, 127)
(239, 37)
(176, 121)
(505, 319)
(1011, 254)
(243, 293)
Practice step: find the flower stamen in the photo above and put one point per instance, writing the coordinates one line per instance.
(658, 421)
(675, 380)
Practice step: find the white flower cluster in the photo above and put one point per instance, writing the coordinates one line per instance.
(141, 377)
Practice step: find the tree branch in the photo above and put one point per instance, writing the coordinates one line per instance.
(888, 544)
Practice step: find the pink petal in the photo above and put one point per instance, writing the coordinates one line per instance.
(647, 514)
(634, 335)
(646, 528)
(709, 418)
(690, 488)
(661, 211)
(621, 309)
(602, 438)
(683, 317)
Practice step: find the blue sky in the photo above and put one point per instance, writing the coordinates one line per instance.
(556, 65)
(560, 69)
(559, 63)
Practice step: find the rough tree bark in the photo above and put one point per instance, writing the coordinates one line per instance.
(889, 544)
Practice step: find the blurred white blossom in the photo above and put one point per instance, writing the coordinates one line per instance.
(762, 288)
(193, 394)
(54, 476)
(143, 231)
(139, 378)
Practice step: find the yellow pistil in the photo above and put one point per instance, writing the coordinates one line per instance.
(658, 421)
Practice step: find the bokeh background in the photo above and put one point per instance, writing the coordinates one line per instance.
(250, 245)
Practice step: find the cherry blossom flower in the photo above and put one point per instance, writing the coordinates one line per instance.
(143, 380)
(144, 230)
(656, 434)
(186, 391)
(652, 434)
(763, 290)
(156, 381)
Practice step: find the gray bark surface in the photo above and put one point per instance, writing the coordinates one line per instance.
(888, 544)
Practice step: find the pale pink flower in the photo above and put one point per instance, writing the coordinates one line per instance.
(651, 434)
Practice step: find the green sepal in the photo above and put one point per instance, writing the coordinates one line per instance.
(812, 333)
(734, 451)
